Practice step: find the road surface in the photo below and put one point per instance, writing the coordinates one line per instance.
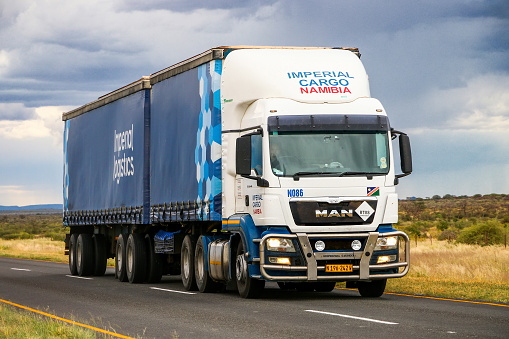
(166, 310)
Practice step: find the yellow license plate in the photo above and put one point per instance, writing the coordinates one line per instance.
(338, 268)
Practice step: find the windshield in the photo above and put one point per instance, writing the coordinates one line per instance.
(329, 153)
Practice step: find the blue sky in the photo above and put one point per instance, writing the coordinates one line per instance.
(440, 68)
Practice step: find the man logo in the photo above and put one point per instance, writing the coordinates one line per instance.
(334, 214)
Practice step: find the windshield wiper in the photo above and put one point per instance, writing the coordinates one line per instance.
(369, 175)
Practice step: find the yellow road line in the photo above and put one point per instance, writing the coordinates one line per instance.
(72, 322)
(434, 298)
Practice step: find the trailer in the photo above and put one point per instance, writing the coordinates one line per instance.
(242, 164)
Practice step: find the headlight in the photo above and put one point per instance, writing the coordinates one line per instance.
(386, 243)
(280, 245)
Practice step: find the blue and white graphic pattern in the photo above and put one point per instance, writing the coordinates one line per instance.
(208, 139)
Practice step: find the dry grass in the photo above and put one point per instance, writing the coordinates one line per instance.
(39, 248)
(462, 262)
(456, 271)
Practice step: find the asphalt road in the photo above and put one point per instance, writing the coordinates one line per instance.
(164, 311)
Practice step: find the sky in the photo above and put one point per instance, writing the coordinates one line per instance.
(439, 67)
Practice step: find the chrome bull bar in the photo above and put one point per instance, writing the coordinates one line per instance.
(311, 257)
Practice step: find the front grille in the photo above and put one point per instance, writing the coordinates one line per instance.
(316, 213)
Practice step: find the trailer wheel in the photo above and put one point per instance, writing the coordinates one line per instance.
(136, 255)
(187, 264)
(372, 289)
(72, 254)
(247, 286)
(324, 286)
(120, 258)
(85, 256)
(203, 280)
(101, 256)
(154, 262)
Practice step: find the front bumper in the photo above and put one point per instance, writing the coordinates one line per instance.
(314, 270)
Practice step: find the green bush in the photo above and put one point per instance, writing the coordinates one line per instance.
(19, 235)
(448, 235)
(489, 232)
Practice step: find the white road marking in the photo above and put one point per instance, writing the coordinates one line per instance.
(21, 269)
(78, 277)
(163, 289)
(352, 317)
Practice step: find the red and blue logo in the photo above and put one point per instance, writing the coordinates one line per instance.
(373, 191)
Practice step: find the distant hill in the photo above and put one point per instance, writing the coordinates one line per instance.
(32, 207)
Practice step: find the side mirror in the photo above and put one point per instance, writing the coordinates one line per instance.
(243, 158)
(243, 155)
(405, 154)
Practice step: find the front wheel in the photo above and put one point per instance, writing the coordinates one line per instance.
(247, 286)
(372, 289)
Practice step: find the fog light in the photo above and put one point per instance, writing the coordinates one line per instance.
(383, 259)
(356, 245)
(279, 261)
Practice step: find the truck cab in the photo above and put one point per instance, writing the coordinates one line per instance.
(316, 176)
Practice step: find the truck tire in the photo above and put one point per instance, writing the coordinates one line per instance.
(85, 256)
(154, 262)
(72, 254)
(204, 282)
(248, 287)
(120, 258)
(101, 256)
(324, 286)
(372, 289)
(187, 264)
(136, 255)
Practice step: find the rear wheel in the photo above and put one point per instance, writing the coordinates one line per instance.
(155, 266)
(187, 264)
(136, 255)
(120, 258)
(247, 286)
(101, 256)
(72, 254)
(372, 289)
(85, 256)
(204, 282)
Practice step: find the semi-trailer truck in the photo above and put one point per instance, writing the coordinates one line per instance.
(242, 164)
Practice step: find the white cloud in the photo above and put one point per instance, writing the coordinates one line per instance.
(43, 122)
